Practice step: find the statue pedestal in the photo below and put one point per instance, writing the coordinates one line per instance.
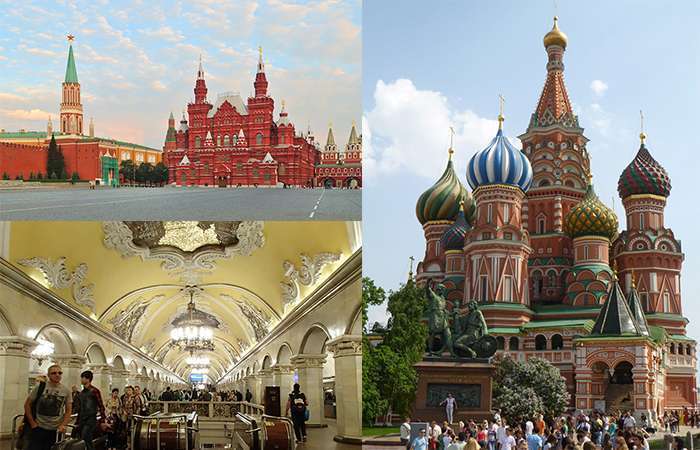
(468, 380)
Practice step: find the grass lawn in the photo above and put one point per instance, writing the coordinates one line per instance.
(378, 431)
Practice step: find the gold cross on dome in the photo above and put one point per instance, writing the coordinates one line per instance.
(501, 101)
(642, 135)
(450, 151)
(260, 52)
(70, 37)
(410, 270)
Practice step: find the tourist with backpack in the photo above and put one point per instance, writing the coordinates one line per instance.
(47, 410)
(300, 413)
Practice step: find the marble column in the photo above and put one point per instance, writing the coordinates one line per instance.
(71, 365)
(283, 376)
(347, 354)
(15, 352)
(101, 378)
(119, 379)
(310, 370)
(265, 380)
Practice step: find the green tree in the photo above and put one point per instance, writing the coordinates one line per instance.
(31, 176)
(126, 168)
(55, 164)
(144, 173)
(161, 173)
(391, 378)
(75, 177)
(523, 389)
(5, 176)
(40, 176)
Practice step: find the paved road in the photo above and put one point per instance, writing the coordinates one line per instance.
(180, 204)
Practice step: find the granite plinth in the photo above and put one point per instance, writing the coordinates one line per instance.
(468, 380)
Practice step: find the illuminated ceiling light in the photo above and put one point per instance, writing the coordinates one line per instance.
(194, 331)
(43, 350)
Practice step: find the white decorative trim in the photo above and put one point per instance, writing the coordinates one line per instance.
(58, 276)
(189, 267)
(307, 275)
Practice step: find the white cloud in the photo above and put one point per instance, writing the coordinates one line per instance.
(26, 114)
(165, 32)
(599, 87)
(599, 118)
(39, 51)
(158, 85)
(409, 131)
(7, 97)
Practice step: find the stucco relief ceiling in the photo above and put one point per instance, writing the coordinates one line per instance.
(138, 272)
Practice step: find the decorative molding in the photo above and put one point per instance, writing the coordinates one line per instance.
(259, 322)
(345, 345)
(17, 346)
(189, 267)
(58, 276)
(308, 361)
(307, 275)
(127, 322)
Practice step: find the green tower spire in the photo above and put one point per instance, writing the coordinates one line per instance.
(71, 73)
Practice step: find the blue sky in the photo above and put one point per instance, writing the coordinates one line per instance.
(429, 65)
(137, 60)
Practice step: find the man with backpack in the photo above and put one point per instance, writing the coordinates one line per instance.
(47, 410)
(298, 405)
(90, 405)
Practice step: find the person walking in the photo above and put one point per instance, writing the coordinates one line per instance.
(405, 430)
(248, 395)
(48, 410)
(116, 437)
(450, 404)
(90, 405)
(420, 442)
(298, 404)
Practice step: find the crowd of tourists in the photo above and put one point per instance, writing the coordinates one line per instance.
(49, 408)
(606, 431)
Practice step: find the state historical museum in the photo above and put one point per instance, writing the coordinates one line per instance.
(237, 142)
(554, 276)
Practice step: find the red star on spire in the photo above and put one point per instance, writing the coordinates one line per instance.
(71, 38)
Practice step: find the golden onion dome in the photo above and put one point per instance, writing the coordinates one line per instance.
(442, 200)
(590, 217)
(555, 36)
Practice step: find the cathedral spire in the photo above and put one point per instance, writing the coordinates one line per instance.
(260, 83)
(200, 71)
(261, 64)
(554, 106)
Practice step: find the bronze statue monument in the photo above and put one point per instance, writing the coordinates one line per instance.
(467, 337)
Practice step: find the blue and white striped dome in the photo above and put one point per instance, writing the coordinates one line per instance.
(500, 163)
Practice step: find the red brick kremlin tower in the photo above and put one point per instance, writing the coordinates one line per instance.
(71, 106)
(553, 275)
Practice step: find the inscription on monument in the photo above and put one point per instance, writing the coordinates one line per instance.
(468, 396)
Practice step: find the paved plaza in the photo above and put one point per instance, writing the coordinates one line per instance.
(171, 203)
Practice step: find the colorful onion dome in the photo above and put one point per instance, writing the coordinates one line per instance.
(442, 200)
(555, 36)
(644, 175)
(590, 217)
(500, 163)
(453, 238)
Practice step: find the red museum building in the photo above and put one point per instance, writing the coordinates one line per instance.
(237, 142)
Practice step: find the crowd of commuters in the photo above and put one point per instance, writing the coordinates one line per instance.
(49, 408)
(606, 431)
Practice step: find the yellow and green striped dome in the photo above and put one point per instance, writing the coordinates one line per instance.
(590, 217)
(442, 200)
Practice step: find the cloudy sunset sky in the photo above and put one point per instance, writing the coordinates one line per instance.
(137, 60)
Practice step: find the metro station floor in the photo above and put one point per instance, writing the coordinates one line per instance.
(318, 439)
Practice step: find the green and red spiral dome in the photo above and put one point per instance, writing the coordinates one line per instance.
(443, 199)
(644, 175)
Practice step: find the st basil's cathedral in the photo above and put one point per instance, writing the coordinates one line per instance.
(237, 142)
(553, 275)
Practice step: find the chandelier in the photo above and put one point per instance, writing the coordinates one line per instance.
(43, 350)
(194, 331)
